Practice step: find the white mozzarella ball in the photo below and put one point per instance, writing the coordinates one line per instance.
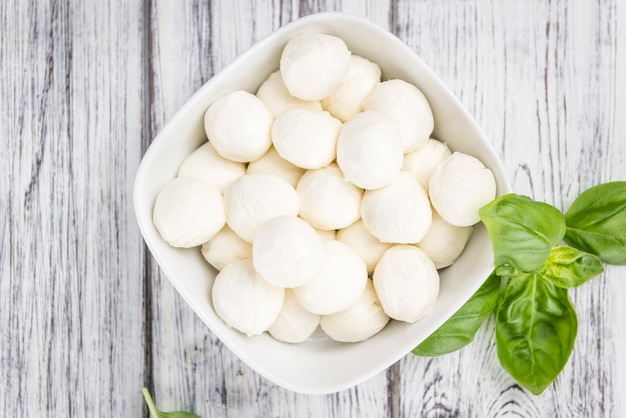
(423, 161)
(287, 251)
(326, 234)
(370, 150)
(406, 282)
(459, 187)
(244, 300)
(313, 65)
(224, 248)
(406, 104)
(277, 98)
(399, 212)
(359, 322)
(366, 245)
(188, 212)
(339, 283)
(327, 200)
(238, 126)
(444, 242)
(306, 138)
(206, 164)
(344, 103)
(252, 199)
(272, 163)
(294, 323)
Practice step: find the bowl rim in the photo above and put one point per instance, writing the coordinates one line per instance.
(298, 24)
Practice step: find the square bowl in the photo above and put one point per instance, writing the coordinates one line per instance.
(318, 365)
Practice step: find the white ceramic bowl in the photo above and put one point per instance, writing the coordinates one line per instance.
(319, 365)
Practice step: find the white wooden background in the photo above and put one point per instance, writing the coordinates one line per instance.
(86, 317)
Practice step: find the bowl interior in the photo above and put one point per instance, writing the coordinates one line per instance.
(319, 365)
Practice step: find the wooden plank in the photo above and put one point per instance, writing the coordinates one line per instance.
(70, 298)
(191, 367)
(540, 78)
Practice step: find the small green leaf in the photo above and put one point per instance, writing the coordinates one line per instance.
(568, 267)
(155, 413)
(596, 222)
(536, 327)
(522, 230)
(509, 271)
(459, 330)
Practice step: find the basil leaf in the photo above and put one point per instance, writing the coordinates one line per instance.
(568, 267)
(509, 271)
(155, 413)
(536, 327)
(522, 230)
(596, 222)
(459, 330)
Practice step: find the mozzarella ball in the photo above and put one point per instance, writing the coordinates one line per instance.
(277, 98)
(224, 248)
(272, 163)
(359, 322)
(339, 283)
(306, 138)
(188, 212)
(399, 212)
(313, 65)
(370, 150)
(238, 126)
(326, 234)
(406, 104)
(443, 242)
(366, 245)
(346, 101)
(294, 323)
(206, 164)
(252, 199)
(244, 300)
(287, 251)
(406, 282)
(459, 187)
(327, 200)
(422, 162)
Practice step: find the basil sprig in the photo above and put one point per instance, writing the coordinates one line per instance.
(155, 413)
(536, 323)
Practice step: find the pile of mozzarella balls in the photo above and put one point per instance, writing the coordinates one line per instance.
(322, 200)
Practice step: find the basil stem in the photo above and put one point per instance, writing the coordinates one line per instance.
(536, 327)
(522, 230)
(596, 222)
(460, 329)
(155, 413)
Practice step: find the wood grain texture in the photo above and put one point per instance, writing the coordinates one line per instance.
(540, 78)
(87, 317)
(71, 293)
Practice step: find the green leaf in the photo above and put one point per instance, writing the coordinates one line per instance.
(522, 230)
(155, 413)
(536, 327)
(596, 222)
(568, 267)
(509, 271)
(459, 330)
